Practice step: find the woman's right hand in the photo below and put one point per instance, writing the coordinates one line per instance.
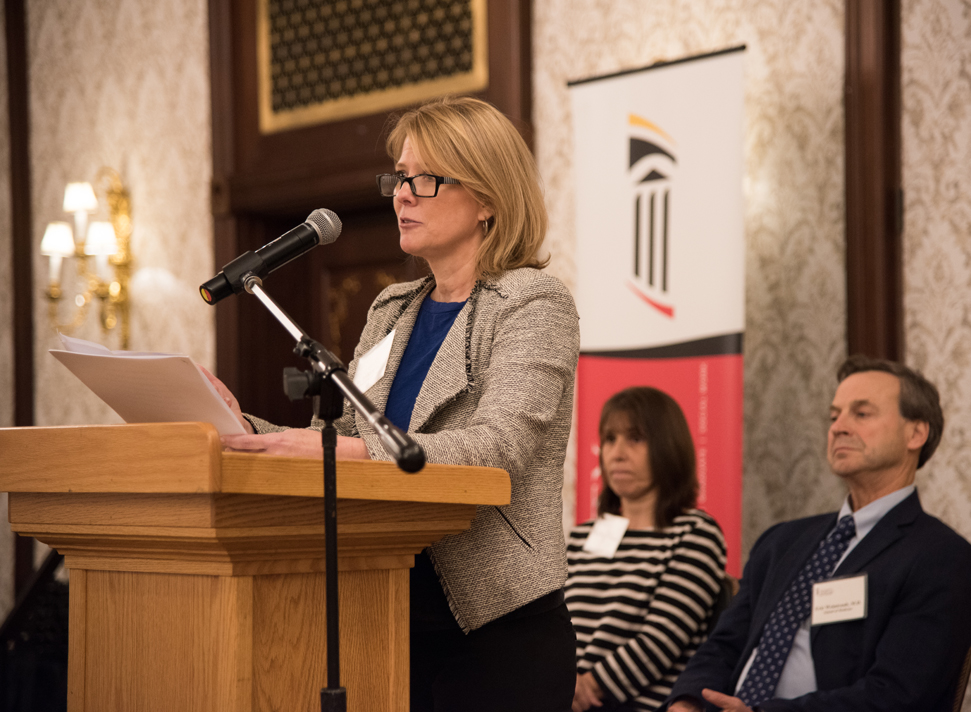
(296, 442)
(230, 399)
(588, 693)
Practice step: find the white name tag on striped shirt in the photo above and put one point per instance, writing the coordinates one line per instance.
(605, 536)
(370, 367)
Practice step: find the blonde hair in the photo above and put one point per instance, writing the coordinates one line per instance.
(472, 141)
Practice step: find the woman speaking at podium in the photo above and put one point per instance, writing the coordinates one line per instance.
(480, 372)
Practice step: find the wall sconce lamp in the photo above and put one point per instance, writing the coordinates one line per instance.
(109, 243)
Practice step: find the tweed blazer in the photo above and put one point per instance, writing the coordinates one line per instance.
(498, 394)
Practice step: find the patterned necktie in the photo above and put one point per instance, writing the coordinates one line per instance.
(777, 636)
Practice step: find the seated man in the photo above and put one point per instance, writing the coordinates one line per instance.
(892, 629)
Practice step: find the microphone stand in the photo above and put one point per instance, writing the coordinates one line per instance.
(328, 383)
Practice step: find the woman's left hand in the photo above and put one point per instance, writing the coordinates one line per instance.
(588, 693)
(230, 399)
(297, 442)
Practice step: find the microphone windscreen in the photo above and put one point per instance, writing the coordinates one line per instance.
(326, 223)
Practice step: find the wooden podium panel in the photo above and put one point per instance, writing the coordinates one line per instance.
(197, 577)
(193, 642)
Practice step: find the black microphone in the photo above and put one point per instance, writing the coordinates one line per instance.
(321, 228)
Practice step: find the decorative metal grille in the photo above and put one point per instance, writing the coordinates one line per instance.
(322, 60)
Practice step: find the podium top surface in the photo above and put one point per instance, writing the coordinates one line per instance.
(187, 458)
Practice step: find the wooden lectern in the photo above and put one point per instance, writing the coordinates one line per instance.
(197, 576)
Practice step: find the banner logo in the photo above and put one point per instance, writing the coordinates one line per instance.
(660, 262)
(652, 167)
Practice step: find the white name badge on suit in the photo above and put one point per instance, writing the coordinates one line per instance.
(371, 366)
(839, 600)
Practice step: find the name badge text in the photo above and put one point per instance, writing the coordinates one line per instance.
(838, 600)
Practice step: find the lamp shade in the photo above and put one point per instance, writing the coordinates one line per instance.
(101, 239)
(58, 240)
(79, 196)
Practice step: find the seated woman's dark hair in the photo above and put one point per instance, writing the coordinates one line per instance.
(656, 417)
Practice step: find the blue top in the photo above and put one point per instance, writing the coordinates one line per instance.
(429, 607)
(433, 323)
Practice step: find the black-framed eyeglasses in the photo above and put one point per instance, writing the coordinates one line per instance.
(422, 185)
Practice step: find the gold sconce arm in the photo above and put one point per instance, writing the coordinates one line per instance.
(110, 282)
(117, 298)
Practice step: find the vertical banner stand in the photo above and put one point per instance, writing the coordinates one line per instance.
(660, 255)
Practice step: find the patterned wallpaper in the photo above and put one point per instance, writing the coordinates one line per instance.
(936, 49)
(125, 83)
(6, 324)
(793, 189)
(128, 87)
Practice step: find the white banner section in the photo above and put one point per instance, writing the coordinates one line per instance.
(660, 241)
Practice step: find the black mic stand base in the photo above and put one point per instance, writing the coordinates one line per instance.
(333, 699)
(329, 404)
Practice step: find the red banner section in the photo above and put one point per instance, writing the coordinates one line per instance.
(709, 391)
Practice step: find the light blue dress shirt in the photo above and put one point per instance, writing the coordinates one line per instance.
(799, 673)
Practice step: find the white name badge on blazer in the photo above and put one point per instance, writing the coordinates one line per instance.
(838, 600)
(605, 536)
(370, 367)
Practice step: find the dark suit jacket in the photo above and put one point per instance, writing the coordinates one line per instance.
(904, 656)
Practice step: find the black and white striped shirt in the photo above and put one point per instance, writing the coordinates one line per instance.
(641, 615)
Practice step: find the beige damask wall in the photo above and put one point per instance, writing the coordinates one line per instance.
(936, 126)
(793, 187)
(128, 86)
(6, 323)
(125, 83)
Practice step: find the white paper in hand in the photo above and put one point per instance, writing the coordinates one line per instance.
(371, 366)
(146, 387)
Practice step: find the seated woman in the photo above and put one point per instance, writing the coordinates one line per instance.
(641, 612)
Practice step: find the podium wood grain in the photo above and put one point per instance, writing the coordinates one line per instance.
(197, 577)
